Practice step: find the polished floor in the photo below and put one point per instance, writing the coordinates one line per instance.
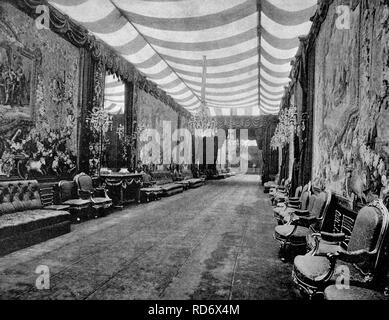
(215, 242)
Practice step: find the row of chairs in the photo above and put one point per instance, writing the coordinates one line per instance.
(84, 201)
(81, 198)
(328, 264)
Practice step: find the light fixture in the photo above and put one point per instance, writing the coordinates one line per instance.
(201, 120)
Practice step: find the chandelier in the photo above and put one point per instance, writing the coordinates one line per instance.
(201, 121)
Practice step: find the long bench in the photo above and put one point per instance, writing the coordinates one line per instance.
(164, 180)
(23, 219)
(189, 182)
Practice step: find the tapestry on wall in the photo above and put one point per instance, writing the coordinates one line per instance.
(152, 114)
(39, 81)
(351, 147)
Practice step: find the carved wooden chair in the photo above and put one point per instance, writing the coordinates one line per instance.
(293, 235)
(98, 196)
(365, 260)
(78, 208)
(280, 194)
(283, 213)
(353, 293)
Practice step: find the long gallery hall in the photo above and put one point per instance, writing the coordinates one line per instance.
(194, 150)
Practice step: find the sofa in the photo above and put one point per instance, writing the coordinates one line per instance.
(149, 191)
(23, 219)
(188, 181)
(164, 180)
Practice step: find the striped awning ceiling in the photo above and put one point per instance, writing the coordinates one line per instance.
(167, 39)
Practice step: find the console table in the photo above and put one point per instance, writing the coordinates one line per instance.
(122, 187)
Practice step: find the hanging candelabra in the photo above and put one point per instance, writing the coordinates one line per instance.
(129, 141)
(202, 122)
(100, 122)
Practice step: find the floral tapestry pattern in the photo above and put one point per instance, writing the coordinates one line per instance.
(46, 143)
(351, 147)
(153, 113)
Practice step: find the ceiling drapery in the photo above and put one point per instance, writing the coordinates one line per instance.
(166, 40)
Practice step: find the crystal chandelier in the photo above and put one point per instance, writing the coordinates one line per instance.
(201, 121)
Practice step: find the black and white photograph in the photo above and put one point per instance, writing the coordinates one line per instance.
(194, 155)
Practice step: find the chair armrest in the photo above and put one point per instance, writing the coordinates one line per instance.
(354, 256)
(103, 191)
(293, 206)
(305, 221)
(301, 213)
(333, 237)
(85, 194)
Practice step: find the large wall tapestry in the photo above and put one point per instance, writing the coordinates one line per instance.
(151, 113)
(39, 83)
(351, 147)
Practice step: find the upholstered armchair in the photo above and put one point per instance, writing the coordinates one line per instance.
(366, 258)
(283, 212)
(79, 208)
(98, 196)
(294, 202)
(294, 234)
(280, 194)
(355, 293)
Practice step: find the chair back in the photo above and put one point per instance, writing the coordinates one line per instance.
(369, 233)
(305, 199)
(386, 201)
(67, 191)
(320, 205)
(84, 182)
(298, 192)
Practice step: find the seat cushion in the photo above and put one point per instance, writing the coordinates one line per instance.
(101, 200)
(309, 268)
(57, 207)
(353, 293)
(299, 236)
(283, 211)
(171, 186)
(78, 202)
(151, 189)
(195, 182)
(25, 221)
(182, 183)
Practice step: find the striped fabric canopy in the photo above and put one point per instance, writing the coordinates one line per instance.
(247, 65)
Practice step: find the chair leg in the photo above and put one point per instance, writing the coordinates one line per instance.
(283, 252)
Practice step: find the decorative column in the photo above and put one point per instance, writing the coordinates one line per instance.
(133, 126)
(85, 103)
(92, 134)
(130, 122)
